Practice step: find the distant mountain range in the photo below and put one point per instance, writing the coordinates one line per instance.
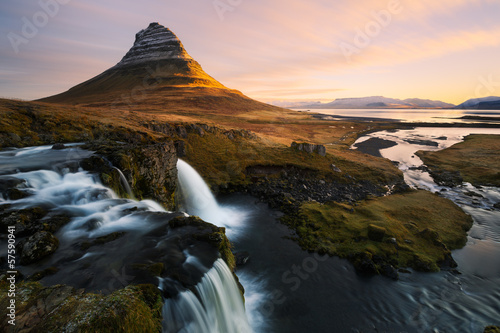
(485, 103)
(380, 102)
(374, 102)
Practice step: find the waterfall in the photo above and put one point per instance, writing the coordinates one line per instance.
(124, 183)
(217, 308)
(214, 305)
(196, 198)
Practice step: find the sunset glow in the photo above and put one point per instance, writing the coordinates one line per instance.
(270, 50)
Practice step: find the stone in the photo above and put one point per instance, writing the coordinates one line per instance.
(180, 147)
(58, 146)
(309, 148)
(335, 168)
(392, 240)
(181, 131)
(389, 271)
(492, 329)
(376, 233)
(38, 246)
(241, 258)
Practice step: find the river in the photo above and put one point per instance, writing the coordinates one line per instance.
(287, 289)
(290, 290)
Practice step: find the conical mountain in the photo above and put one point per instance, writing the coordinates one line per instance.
(157, 74)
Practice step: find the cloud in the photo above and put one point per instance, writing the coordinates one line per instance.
(260, 47)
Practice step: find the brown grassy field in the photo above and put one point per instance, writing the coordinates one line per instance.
(477, 159)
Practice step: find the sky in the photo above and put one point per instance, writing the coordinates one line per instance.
(271, 50)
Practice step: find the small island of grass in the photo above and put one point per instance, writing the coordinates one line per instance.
(475, 160)
(417, 229)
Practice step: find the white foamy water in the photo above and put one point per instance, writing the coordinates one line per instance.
(217, 308)
(196, 198)
(95, 210)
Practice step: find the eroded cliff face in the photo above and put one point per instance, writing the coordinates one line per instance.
(56, 290)
(149, 168)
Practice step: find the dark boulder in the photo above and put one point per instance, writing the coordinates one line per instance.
(36, 247)
(376, 233)
(180, 147)
(241, 258)
(181, 132)
(58, 146)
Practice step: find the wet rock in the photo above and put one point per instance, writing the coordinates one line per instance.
(448, 262)
(364, 264)
(26, 221)
(492, 329)
(497, 205)
(53, 222)
(36, 247)
(17, 194)
(421, 265)
(41, 274)
(150, 169)
(241, 258)
(446, 178)
(389, 271)
(473, 194)
(58, 146)
(102, 240)
(12, 188)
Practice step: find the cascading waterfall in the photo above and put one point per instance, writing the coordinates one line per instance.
(197, 199)
(218, 307)
(124, 183)
(214, 305)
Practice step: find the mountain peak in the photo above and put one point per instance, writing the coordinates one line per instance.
(154, 43)
(157, 73)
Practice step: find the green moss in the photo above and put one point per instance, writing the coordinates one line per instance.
(132, 309)
(492, 329)
(416, 229)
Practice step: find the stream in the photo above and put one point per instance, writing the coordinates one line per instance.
(286, 289)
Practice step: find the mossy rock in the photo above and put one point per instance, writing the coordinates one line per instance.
(61, 308)
(376, 233)
(421, 228)
(37, 247)
(492, 329)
